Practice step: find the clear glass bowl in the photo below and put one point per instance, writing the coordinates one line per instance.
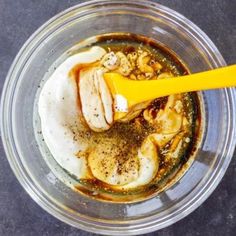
(42, 50)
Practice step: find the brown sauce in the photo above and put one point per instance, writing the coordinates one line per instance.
(128, 136)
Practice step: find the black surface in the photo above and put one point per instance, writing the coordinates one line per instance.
(19, 214)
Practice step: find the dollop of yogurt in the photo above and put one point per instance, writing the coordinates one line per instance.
(59, 113)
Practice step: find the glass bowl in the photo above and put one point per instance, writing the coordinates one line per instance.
(45, 46)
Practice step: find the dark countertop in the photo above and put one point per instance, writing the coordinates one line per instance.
(19, 214)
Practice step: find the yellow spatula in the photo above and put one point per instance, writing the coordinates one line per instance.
(134, 92)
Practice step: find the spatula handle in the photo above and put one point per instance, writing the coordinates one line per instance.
(147, 90)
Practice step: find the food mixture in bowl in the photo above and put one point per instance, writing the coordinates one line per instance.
(125, 158)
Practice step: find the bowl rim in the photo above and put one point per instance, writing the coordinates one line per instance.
(24, 179)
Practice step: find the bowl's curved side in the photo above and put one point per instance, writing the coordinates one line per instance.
(16, 156)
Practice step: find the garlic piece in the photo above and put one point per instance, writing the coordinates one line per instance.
(142, 63)
(178, 106)
(164, 75)
(111, 61)
(125, 67)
